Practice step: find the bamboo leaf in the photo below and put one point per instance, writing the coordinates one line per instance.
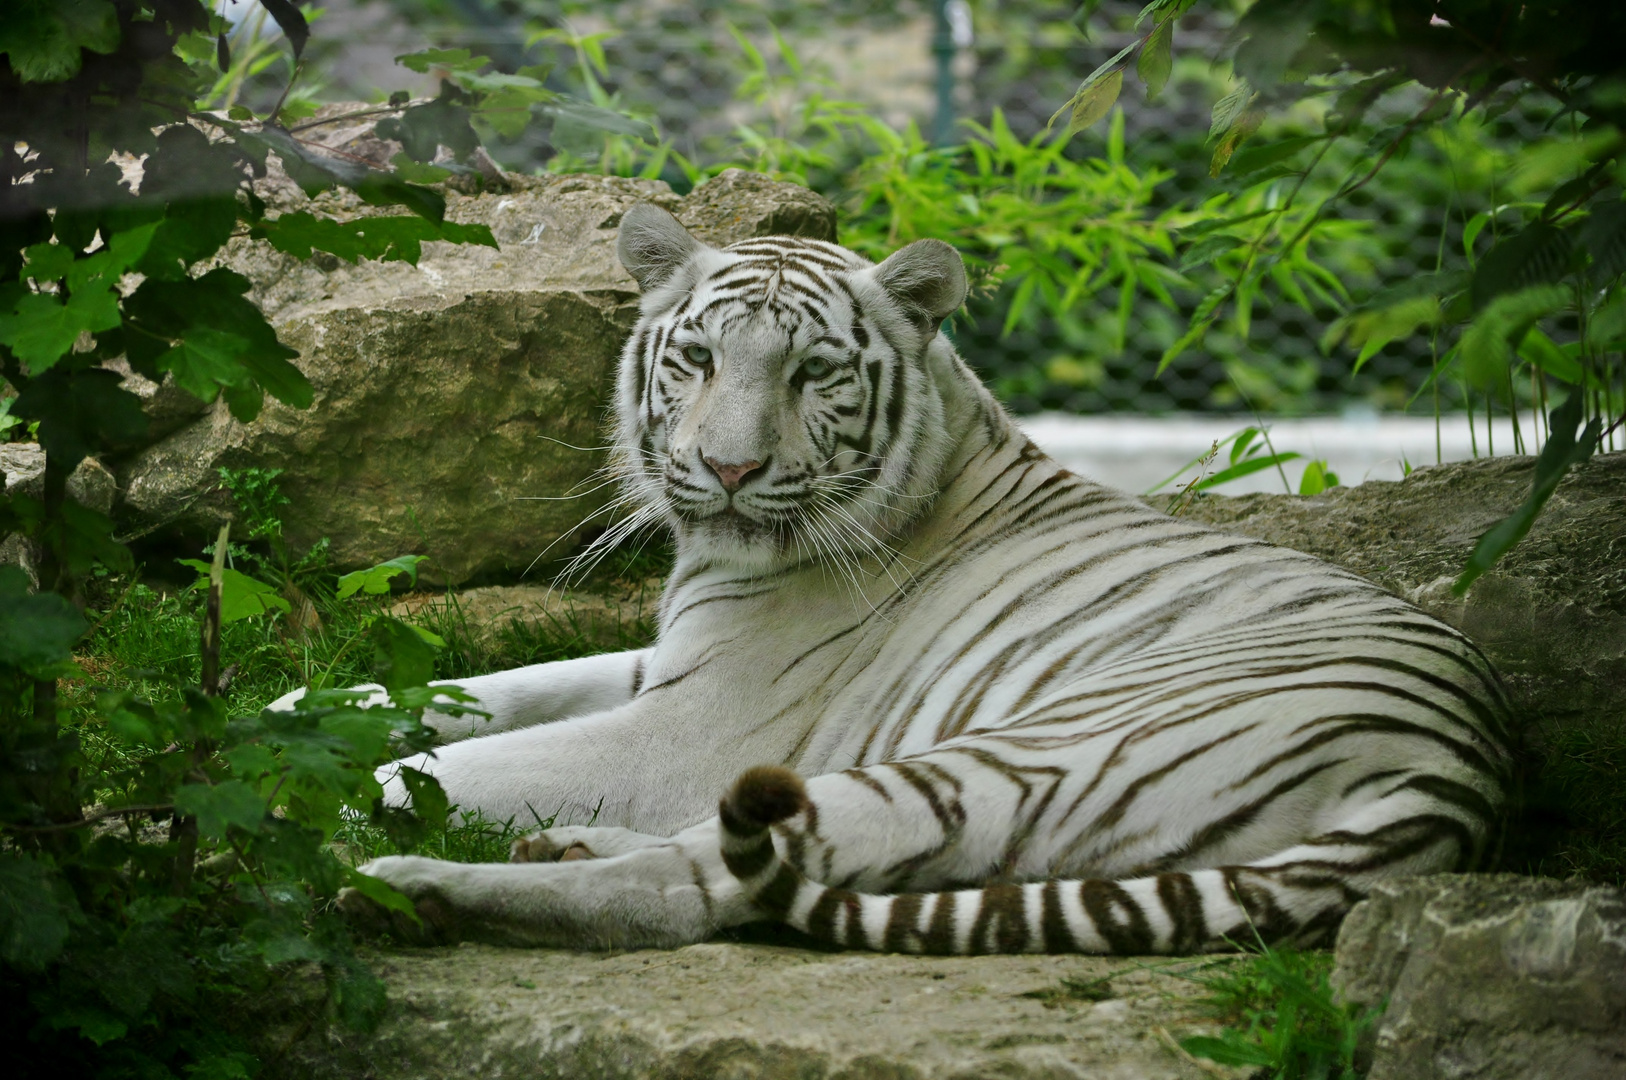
(1536, 255)
(1488, 343)
(1562, 452)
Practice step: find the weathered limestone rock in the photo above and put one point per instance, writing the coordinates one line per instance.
(1490, 977)
(726, 1010)
(1551, 615)
(485, 614)
(22, 465)
(455, 400)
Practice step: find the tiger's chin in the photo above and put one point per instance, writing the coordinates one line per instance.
(736, 540)
(733, 539)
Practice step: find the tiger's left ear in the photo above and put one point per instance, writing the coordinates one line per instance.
(653, 245)
(927, 279)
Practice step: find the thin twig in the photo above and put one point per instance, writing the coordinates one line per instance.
(381, 110)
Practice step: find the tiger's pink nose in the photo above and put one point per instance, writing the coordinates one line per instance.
(732, 475)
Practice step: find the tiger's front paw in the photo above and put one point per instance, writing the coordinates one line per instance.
(541, 847)
(434, 919)
(568, 843)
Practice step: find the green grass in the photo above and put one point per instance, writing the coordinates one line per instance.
(1279, 1016)
(146, 639)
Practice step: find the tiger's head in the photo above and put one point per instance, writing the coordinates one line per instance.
(776, 401)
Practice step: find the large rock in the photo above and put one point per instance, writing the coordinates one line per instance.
(457, 400)
(22, 472)
(1489, 977)
(727, 1011)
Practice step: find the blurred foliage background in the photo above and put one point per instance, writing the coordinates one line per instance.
(827, 93)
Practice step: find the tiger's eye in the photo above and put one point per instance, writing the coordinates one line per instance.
(698, 355)
(816, 367)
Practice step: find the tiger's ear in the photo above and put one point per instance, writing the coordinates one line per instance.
(653, 244)
(927, 279)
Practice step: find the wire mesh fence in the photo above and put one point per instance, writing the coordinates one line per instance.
(682, 64)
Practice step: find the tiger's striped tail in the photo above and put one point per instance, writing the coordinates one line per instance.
(1182, 912)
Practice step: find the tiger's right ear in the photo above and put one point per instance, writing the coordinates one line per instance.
(653, 244)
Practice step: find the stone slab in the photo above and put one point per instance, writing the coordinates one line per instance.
(741, 1010)
(1489, 977)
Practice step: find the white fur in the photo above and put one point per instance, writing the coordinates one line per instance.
(1060, 744)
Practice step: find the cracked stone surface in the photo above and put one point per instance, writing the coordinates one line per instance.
(1489, 977)
(741, 1010)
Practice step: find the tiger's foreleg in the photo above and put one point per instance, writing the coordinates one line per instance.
(657, 895)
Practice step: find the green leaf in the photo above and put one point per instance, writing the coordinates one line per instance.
(33, 921)
(1208, 249)
(1260, 157)
(379, 892)
(85, 538)
(592, 117)
(375, 581)
(1498, 328)
(429, 801)
(1194, 333)
(161, 313)
(191, 229)
(1240, 130)
(1471, 231)
(414, 172)
(42, 39)
(292, 22)
(1606, 329)
(1537, 255)
(1317, 478)
(205, 360)
(1604, 238)
(219, 807)
(37, 630)
(1245, 467)
(382, 238)
(1241, 441)
(98, 1025)
(80, 412)
(401, 658)
(1228, 108)
(1371, 329)
(240, 595)
(41, 329)
(1156, 58)
(1541, 351)
(1562, 452)
(1231, 1051)
(451, 59)
(1095, 102)
(47, 262)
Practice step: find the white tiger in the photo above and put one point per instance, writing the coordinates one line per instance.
(1096, 727)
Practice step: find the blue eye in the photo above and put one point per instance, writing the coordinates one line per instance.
(816, 367)
(698, 355)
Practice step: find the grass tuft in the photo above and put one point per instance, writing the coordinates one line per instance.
(1279, 1017)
